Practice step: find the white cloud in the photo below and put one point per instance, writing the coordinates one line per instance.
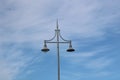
(80, 75)
(80, 18)
(99, 63)
(89, 19)
(14, 60)
(11, 65)
(96, 60)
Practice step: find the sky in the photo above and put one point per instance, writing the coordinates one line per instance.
(92, 25)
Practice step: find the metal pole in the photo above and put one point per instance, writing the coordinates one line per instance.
(58, 52)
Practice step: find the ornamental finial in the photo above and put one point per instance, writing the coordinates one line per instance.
(57, 24)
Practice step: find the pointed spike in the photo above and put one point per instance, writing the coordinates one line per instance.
(57, 24)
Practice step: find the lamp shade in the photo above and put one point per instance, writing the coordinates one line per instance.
(70, 49)
(45, 49)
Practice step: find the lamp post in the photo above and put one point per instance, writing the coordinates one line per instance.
(57, 36)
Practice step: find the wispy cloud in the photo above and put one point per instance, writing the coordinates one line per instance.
(89, 19)
(96, 62)
(79, 75)
(14, 60)
(11, 64)
(99, 63)
(27, 18)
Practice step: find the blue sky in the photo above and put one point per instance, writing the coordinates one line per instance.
(92, 25)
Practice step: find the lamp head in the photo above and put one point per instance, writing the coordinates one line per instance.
(70, 49)
(45, 49)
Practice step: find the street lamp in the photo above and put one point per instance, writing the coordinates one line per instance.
(57, 36)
